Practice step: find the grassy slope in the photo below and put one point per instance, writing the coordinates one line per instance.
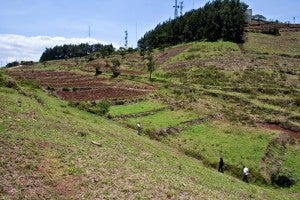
(212, 141)
(46, 152)
(53, 154)
(288, 43)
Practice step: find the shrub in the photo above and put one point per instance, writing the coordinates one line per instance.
(272, 31)
(115, 67)
(6, 82)
(101, 108)
(283, 178)
(98, 71)
(66, 89)
(50, 88)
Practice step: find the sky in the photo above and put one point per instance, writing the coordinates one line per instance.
(28, 27)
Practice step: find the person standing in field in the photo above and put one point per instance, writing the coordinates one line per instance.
(221, 165)
(245, 174)
(139, 128)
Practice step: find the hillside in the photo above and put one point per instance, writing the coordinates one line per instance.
(206, 100)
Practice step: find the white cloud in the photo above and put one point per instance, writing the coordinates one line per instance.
(19, 47)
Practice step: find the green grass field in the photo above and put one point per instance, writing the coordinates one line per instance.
(236, 145)
(206, 50)
(285, 44)
(291, 164)
(163, 119)
(143, 106)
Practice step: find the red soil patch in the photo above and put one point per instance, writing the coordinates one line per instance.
(276, 127)
(100, 93)
(83, 87)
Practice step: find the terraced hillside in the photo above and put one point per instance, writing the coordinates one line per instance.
(205, 101)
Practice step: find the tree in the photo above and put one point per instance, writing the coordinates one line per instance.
(71, 51)
(12, 64)
(115, 67)
(150, 65)
(218, 19)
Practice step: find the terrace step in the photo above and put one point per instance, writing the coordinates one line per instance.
(179, 127)
(142, 114)
(271, 163)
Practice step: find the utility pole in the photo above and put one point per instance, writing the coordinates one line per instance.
(126, 39)
(176, 9)
(181, 7)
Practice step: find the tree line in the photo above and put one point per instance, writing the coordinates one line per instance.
(71, 51)
(219, 19)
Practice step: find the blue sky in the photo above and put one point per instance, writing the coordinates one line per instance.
(27, 27)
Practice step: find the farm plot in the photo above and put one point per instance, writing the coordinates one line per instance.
(238, 146)
(100, 93)
(136, 108)
(163, 119)
(82, 87)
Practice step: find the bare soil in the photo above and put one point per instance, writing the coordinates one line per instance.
(83, 87)
(276, 127)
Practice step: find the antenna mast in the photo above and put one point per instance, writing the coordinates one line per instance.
(126, 39)
(181, 7)
(176, 9)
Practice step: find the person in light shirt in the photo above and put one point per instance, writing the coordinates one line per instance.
(139, 128)
(245, 174)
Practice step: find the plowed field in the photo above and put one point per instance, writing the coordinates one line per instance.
(72, 86)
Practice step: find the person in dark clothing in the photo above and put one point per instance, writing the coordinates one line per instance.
(221, 165)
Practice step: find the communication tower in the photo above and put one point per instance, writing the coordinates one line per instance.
(181, 7)
(176, 9)
(126, 39)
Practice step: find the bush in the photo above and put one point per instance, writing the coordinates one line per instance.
(283, 178)
(5, 82)
(115, 67)
(272, 31)
(101, 108)
(66, 89)
(98, 72)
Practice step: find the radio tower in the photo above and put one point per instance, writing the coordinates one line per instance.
(176, 9)
(181, 7)
(126, 39)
